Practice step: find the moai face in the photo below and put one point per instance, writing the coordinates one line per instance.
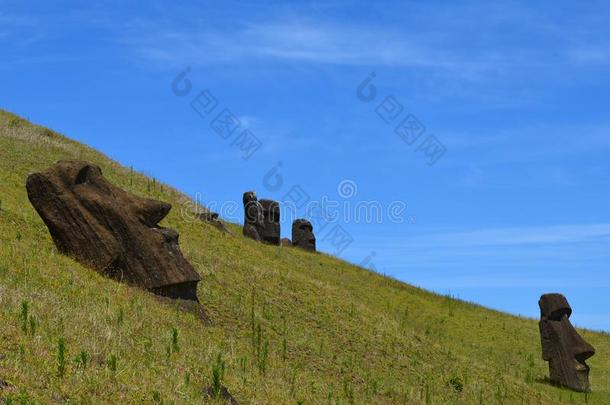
(562, 346)
(270, 230)
(302, 235)
(113, 231)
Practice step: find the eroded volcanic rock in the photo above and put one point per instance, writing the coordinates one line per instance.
(110, 230)
(302, 235)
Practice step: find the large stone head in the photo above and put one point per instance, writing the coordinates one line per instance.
(113, 231)
(562, 346)
(302, 235)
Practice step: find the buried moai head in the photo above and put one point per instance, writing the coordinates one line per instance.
(302, 235)
(113, 231)
(562, 346)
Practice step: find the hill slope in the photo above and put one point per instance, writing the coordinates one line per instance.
(291, 327)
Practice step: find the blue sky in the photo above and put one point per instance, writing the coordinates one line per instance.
(517, 94)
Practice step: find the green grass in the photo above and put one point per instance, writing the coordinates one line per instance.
(290, 327)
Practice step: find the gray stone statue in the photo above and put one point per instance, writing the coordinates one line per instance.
(562, 346)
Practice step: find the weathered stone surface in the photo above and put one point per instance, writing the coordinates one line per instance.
(270, 230)
(110, 230)
(562, 346)
(286, 242)
(253, 216)
(302, 235)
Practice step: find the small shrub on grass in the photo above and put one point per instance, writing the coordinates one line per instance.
(82, 359)
(456, 383)
(529, 373)
(112, 363)
(156, 395)
(218, 371)
(120, 317)
(61, 356)
(33, 323)
(172, 346)
(243, 364)
(23, 315)
(261, 350)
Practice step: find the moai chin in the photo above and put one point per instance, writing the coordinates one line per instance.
(562, 346)
(302, 235)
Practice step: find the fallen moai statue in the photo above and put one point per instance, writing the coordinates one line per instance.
(302, 235)
(110, 230)
(562, 346)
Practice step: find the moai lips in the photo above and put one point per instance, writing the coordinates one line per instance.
(562, 346)
(110, 230)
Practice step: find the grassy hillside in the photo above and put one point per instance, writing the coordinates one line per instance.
(291, 327)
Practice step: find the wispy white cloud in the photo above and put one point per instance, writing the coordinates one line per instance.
(465, 41)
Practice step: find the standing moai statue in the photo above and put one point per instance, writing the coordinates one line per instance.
(562, 346)
(253, 216)
(270, 230)
(261, 219)
(302, 235)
